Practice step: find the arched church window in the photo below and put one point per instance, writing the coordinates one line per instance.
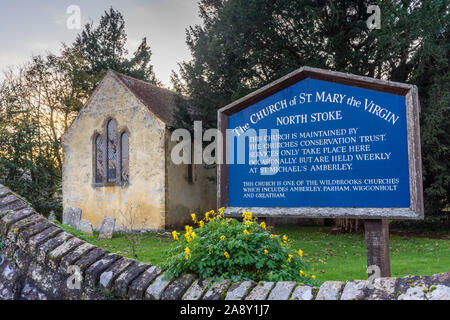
(111, 151)
(124, 157)
(98, 158)
(111, 155)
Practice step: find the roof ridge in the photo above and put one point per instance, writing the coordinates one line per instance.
(143, 81)
(160, 101)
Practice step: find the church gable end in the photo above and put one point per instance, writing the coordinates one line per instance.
(114, 158)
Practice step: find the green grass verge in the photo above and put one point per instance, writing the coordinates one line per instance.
(152, 249)
(343, 256)
(330, 257)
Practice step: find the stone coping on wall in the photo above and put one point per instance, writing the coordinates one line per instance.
(36, 258)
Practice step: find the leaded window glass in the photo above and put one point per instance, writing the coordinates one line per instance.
(111, 155)
(124, 145)
(99, 168)
(111, 132)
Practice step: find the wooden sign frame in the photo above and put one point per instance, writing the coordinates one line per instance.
(410, 92)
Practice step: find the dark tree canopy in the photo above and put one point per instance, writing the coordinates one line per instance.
(103, 47)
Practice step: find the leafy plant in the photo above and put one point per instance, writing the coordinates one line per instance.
(129, 225)
(225, 248)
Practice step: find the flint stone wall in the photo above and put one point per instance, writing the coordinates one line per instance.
(36, 258)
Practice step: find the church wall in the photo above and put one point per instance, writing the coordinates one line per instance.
(183, 197)
(144, 197)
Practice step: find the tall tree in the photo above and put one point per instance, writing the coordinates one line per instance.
(104, 46)
(28, 159)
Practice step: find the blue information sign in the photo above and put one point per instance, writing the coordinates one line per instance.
(326, 145)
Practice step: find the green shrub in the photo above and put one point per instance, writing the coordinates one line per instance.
(224, 248)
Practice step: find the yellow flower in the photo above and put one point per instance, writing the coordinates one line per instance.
(265, 251)
(263, 225)
(201, 223)
(187, 253)
(289, 258)
(300, 253)
(193, 217)
(301, 273)
(16, 230)
(227, 255)
(246, 232)
(285, 238)
(222, 238)
(314, 277)
(247, 216)
(193, 235)
(175, 235)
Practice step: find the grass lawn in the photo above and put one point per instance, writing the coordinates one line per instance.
(152, 248)
(343, 257)
(331, 257)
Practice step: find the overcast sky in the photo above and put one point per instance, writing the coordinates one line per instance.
(30, 27)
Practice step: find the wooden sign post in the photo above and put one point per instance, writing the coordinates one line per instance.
(377, 246)
(324, 144)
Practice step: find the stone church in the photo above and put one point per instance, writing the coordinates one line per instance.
(117, 160)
